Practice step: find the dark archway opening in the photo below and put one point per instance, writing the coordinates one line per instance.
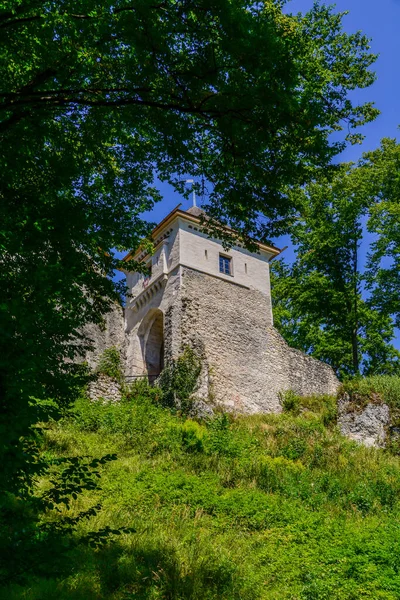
(154, 347)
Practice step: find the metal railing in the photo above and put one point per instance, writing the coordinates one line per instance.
(150, 378)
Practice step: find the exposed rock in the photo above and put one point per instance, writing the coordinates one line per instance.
(201, 409)
(367, 425)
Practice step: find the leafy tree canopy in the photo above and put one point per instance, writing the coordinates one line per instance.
(238, 94)
(95, 98)
(382, 172)
(321, 304)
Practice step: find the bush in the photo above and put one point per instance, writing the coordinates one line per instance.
(221, 440)
(325, 406)
(179, 381)
(192, 436)
(110, 364)
(290, 402)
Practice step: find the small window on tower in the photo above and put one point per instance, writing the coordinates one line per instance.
(225, 265)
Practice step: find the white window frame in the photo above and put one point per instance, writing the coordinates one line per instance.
(228, 259)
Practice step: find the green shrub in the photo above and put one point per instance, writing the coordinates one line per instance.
(137, 417)
(323, 405)
(290, 402)
(296, 448)
(221, 440)
(110, 364)
(179, 380)
(192, 436)
(142, 390)
(278, 473)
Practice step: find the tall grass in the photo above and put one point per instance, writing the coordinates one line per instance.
(383, 388)
(260, 507)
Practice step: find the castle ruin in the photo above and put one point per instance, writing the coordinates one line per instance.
(219, 303)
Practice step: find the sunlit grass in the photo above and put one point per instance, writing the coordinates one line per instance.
(260, 507)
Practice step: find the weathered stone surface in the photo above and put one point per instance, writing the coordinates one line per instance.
(224, 314)
(248, 361)
(104, 388)
(367, 425)
(112, 335)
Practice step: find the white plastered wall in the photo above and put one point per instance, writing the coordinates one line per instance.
(201, 253)
(187, 247)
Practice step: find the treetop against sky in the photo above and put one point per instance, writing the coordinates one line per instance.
(381, 25)
(239, 94)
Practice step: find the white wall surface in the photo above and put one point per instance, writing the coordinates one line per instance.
(248, 269)
(164, 260)
(187, 246)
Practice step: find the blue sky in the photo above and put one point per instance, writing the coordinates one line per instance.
(380, 21)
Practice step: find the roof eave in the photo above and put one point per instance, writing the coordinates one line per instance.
(177, 212)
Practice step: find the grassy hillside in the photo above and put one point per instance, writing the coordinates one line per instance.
(263, 507)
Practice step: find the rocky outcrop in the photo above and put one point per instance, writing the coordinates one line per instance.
(367, 424)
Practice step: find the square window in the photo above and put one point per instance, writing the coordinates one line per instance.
(225, 265)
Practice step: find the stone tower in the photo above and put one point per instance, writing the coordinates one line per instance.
(219, 302)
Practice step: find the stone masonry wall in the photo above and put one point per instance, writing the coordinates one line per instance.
(112, 335)
(249, 363)
(246, 361)
(166, 299)
(104, 388)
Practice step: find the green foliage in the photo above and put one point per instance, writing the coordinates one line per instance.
(381, 173)
(290, 402)
(179, 380)
(110, 364)
(192, 436)
(261, 507)
(159, 101)
(37, 531)
(137, 419)
(96, 99)
(324, 406)
(374, 389)
(319, 302)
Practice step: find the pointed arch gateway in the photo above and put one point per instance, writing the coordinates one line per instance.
(151, 336)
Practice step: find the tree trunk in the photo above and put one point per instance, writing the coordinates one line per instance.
(354, 335)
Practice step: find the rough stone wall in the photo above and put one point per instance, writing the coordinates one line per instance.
(304, 375)
(166, 299)
(104, 388)
(249, 363)
(246, 361)
(112, 335)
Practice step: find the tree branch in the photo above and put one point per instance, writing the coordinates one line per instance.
(18, 21)
(21, 20)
